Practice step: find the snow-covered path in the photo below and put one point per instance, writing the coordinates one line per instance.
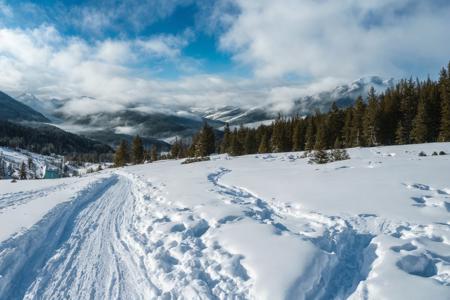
(256, 227)
(118, 240)
(95, 261)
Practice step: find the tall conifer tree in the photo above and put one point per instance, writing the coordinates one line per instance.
(137, 150)
(419, 131)
(444, 83)
(122, 155)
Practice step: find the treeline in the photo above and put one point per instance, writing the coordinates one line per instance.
(136, 154)
(412, 111)
(47, 140)
(203, 144)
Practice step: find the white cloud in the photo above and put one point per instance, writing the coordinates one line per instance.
(92, 20)
(5, 10)
(131, 130)
(101, 16)
(85, 105)
(348, 38)
(115, 51)
(166, 46)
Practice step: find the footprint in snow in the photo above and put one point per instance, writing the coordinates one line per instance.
(420, 265)
(405, 247)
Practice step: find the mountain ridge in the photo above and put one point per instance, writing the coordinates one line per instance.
(14, 110)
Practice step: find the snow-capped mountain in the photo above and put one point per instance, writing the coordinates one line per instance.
(344, 95)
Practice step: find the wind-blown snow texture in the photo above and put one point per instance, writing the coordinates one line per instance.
(255, 227)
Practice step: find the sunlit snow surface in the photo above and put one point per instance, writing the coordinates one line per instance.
(255, 227)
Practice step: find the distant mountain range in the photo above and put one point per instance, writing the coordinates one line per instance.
(159, 128)
(46, 108)
(47, 139)
(343, 95)
(21, 126)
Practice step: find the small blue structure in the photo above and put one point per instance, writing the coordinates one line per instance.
(52, 173)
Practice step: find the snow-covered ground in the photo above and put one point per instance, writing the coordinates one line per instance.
(11, 159)
(270, 226)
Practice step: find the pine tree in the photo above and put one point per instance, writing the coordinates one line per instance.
(236, 147)
(335, 124)
(337, 143)
(121, 156)
(400, 134)
(30, 163)
(419, 131)
(2, 168)
(154, 153)
(320, 143)
(31, 167)
(206, 142)
(264, 144)
(176, 149)
(408, 106)
(250, 142)
(191, 152)
(310, 137)
(23, 171)
(278, 136)
(347, 129)
(146, 155)
(210, 139)
(137, 150)
(226, 141)
(444, 83)
(357, 138)
(298, 136)
(371, 119)
(432, 95)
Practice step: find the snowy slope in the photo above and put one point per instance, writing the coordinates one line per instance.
(13, 158)
(271, 226)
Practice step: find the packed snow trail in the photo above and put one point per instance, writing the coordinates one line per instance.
(95, 261)
(22, 257)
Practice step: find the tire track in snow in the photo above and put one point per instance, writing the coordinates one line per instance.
(95, 262)
(22, 257)
(20, 198)
(348, 248)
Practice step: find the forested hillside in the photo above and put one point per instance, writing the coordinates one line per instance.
(14, 110)
(46, 139)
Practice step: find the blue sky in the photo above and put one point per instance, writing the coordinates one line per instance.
(131, 20)
(213, 52)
